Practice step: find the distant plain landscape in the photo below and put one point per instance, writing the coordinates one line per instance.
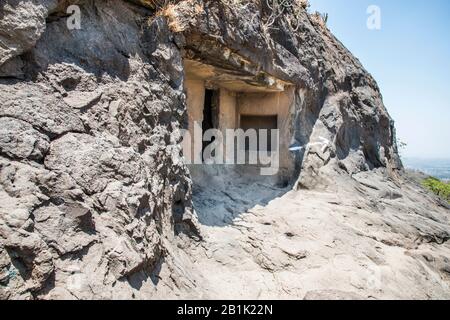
(438, 168)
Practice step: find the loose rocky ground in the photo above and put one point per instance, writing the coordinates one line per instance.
(365, 239)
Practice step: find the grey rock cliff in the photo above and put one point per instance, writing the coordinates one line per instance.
(342, 103)
(91, 175)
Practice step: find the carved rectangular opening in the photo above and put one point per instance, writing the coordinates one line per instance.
(259, 123)
(210, 109)
(236, 102)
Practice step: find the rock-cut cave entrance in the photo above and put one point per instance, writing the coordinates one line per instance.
(220, 99)
(210, 107)
(258, 123)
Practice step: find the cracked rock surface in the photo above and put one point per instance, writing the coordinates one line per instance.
(90, 162)
(350, 241)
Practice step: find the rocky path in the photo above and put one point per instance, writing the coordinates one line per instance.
(339, 244)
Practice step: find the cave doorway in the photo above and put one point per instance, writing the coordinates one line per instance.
(259, 123)
(229, 101)
(210, 109)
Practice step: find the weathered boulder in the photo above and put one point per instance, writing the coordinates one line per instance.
(21, 25)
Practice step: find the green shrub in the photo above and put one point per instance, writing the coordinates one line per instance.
(438, 187)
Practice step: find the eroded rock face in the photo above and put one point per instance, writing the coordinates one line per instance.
(90, 161)
(337, 100)
(21, 25)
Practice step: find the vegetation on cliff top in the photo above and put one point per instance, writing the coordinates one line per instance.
(438, 187)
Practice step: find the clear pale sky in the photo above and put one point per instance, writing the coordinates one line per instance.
(410, 59)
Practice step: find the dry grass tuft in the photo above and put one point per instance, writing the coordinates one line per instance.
(171, 13)
(320, 19)
(170, 10)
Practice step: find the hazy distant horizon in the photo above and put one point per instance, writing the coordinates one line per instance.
(425, 158)
(439, 168)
